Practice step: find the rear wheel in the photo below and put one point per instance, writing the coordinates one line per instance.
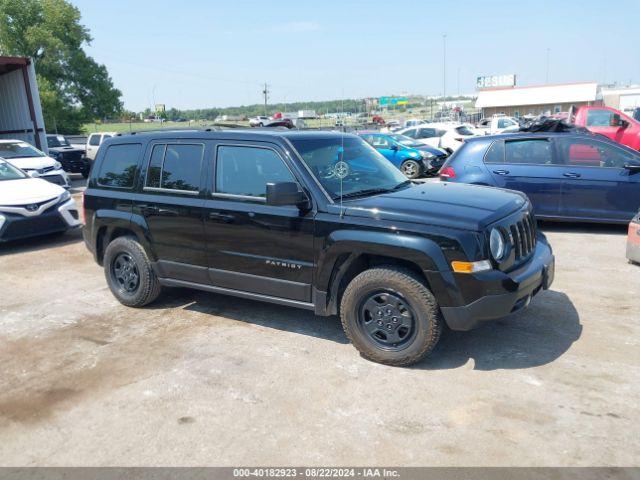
(390, 316)
(129, 274)
(411, 169)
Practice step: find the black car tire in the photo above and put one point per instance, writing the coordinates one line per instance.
(411, 169)
(148, 287)
(399, 283)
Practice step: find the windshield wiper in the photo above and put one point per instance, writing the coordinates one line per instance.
(368, 191)
(373, 191)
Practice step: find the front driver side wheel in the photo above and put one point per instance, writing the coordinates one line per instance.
(390, 316)
(411, 169)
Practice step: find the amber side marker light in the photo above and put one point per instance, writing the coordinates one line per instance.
(471, 267)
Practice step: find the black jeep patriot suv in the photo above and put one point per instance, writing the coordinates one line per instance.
(316, 220)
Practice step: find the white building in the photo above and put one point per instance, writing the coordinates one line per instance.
(537, 100)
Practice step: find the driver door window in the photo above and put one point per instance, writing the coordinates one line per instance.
(427, 133)
(592, 153)
(599, 118)
(245, 171)
(380, 142)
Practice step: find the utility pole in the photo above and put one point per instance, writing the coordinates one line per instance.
(444, 68)
(265, 92)
(548, 51)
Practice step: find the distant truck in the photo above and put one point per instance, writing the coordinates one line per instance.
(497, 124)
(20, 111)
(611, 123)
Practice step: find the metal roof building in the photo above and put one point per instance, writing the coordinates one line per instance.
(20, 110)
(536, 100)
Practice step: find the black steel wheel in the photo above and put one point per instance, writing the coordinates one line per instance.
(391, 316)
(125, 272)
(129, 274)
(387, 319)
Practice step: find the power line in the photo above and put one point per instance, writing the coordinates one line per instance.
(265, 92)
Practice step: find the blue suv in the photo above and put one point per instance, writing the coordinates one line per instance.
(567, 176)
(413, 158)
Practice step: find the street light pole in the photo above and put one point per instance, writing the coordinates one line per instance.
(444, 67)
(548, 51)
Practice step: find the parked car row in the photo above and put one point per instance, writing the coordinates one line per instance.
(413, 158)
(32, 206)
(567, 176)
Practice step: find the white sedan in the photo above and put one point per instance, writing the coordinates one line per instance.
(30, 206)
(439, 135)
(30, 159)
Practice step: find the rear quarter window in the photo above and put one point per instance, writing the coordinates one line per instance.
(119, 165)
(495, 153)
(94, 140)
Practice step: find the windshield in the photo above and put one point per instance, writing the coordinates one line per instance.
(349, 165)
(19, 150)
(57, 141)
(9, 172)
(406, 141)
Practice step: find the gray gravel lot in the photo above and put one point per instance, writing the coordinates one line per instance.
(203, 379)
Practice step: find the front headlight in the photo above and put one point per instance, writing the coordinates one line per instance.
(57, 165)
(65, 196)
(427, 155)
(497, 245)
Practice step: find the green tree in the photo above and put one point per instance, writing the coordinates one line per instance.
(74, 88)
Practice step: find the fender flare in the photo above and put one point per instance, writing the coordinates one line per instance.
(423, 252)
(112, 220)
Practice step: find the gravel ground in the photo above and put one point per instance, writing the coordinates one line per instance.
(203, 379)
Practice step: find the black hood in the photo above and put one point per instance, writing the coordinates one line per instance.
(455, 205)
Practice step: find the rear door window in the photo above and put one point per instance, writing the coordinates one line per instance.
(428, 133)
(175, 167)
(531, 151)
(94, 140)
(119, 164)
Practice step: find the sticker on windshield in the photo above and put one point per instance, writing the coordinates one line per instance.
(341, 170)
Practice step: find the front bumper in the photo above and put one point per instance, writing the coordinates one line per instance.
(509, 292)
(58, 218)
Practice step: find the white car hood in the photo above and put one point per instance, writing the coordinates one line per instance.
(32, 163)
(27, 190)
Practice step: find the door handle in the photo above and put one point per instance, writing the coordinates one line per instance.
(501, 172)
(572, 175)
(148, 209)
(154, 210)
(167, 212)
(221, 217)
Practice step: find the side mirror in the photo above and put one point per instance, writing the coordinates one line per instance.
(33, 173)
(394, 147)
(615, 120)
(285, 193)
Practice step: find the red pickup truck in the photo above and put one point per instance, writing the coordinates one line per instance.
(611, 123)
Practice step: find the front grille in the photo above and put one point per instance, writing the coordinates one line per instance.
(45, 170)
(32, 207)
(523, 236)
